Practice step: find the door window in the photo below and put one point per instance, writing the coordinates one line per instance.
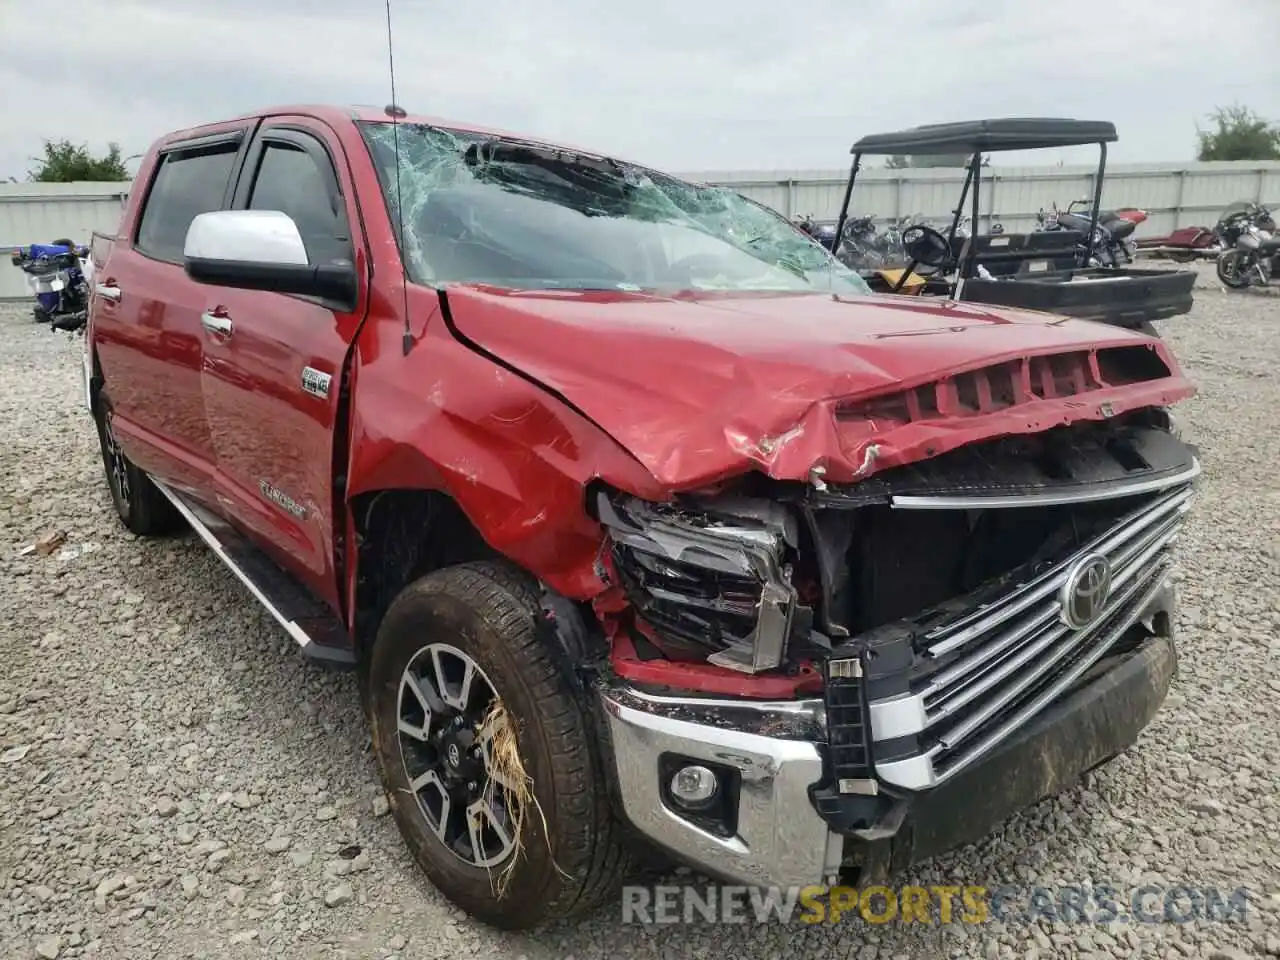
(187, 184)
(290, 180)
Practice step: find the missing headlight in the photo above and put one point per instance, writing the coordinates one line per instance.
(713, 578)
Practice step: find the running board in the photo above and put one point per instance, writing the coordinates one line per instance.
(307, 620)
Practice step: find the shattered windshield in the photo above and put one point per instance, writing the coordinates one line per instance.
(526, 216)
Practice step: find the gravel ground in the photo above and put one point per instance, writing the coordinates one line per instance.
(176, 782)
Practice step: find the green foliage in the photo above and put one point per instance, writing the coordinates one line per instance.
(64, 162)
(1238, 134)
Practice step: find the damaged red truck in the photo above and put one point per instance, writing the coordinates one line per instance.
(790, 581)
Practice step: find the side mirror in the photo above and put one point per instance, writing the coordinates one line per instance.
(262, 250)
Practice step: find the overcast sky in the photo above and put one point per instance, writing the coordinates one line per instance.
(684, 85)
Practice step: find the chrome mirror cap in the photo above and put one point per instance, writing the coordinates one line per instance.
(246, 236)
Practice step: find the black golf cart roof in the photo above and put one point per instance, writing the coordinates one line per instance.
(974, 136)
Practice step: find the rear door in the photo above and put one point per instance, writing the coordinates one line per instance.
(272, 377)
(146, 324)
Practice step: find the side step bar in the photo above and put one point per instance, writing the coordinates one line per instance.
(312, 625)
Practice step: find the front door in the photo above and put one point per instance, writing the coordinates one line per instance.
(273, 362)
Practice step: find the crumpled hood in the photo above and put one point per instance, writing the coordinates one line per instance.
(702, 387)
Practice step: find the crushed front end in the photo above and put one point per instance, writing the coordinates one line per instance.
(812, 680)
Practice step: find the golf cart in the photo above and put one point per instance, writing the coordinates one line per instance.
(1036, 271)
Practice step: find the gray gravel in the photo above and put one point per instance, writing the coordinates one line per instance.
(176, 782)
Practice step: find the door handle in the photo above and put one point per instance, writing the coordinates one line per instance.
(108, 291)
(216, 324)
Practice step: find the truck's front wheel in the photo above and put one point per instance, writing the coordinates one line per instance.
(486, 751)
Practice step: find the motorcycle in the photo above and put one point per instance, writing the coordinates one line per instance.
(891, 239)
(1252, 250)
(824, 233)
(864, 247)
(1121, 224)
(1184, 245)
(58, 275)
(1113, 243)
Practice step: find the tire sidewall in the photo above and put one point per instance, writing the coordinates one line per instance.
(1238, 281)
(425, 614)
(124, 509)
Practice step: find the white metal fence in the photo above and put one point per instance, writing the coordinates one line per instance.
(1174, 194)
(44, 212)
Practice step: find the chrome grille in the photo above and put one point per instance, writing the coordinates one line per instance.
(983, 673)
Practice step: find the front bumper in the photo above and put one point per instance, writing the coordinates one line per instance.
(780, 839)
(1085, 729)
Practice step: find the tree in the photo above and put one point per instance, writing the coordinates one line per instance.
(1239, 134)
(64, 161)
(897, 162)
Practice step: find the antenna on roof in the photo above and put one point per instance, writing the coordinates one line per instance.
(397, 113)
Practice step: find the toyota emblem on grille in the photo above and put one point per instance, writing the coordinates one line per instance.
(1085, 593)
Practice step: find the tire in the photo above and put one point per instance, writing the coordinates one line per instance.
(1182, 256)
(1229, 275)
(489, 613)
(141, 507)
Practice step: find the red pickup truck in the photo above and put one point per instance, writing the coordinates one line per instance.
(645, 524)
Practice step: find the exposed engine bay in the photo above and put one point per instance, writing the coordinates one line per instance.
(768, 575)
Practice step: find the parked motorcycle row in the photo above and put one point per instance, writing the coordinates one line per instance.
(59, 275)
(868, 247)
(1243, 242)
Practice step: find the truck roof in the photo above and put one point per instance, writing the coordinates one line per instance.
(336, 115)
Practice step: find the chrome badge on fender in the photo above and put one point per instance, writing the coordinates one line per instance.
(282, 499)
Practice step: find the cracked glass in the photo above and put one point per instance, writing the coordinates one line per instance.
(520, 215)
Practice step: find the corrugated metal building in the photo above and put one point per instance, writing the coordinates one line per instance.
(1175, 194)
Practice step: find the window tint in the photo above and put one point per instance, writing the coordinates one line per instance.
(289, 180)
(186, 185)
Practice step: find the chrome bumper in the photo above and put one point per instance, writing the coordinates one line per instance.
(780, 839)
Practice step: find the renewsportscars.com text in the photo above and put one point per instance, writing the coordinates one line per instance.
(968, 904)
